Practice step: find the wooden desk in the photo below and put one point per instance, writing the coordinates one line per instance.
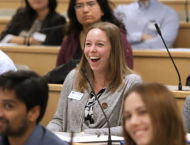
(151, 65)
(3, 23)
(54, 94)
(182, 40)
(156, 66)
(37, 58)
(55, 91)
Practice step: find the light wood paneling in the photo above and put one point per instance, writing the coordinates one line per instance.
(3, 23)
(183, 37)
(156, 66)
(39, 59)
(182, 40)
(150, 64)
(54, 94)
(55, 91)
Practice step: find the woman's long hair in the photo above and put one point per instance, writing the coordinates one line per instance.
(164, 113)
(25, 17)
(117, 69)
(107, 17)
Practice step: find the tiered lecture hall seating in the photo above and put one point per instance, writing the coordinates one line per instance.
(152, 65)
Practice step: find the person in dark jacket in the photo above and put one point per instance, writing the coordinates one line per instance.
(83, 14)
(26, 24)
(23, 101)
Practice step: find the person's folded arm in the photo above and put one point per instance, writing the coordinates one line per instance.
(169, 29)
(134, 37)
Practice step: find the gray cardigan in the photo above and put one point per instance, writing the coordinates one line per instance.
(186, 114)
(69, 116)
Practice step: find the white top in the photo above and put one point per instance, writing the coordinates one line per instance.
(6, 64)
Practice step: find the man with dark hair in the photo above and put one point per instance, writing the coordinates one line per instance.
(23, 100)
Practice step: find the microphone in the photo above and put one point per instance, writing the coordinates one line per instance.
(4, 32)
(109, 133)
(159, 32)
(186, 10)
(45, 29)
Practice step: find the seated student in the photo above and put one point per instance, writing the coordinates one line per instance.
(104, 61)
(151, 117)
(139, 18)
(186, 114)
(6, 64)
(82, 15)
(23, 100)
(31, 19)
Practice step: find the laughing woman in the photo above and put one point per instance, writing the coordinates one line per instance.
(34, 17)
(104, 61)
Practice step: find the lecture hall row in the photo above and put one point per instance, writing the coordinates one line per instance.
(8, 7)
(150, 59)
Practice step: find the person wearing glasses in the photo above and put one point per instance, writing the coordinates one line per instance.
(82, 14)
(26, 24)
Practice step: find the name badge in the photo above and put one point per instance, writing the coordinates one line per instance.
(39, 36)
(75, 95)
(151, 25)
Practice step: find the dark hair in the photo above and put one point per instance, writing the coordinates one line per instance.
(25, 17)
(107, 17)
(164, 114)
(29, 88)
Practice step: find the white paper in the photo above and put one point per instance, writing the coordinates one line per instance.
(188, 136)
(175, 88)
(89, 138)
(7, 38)
(39, 36)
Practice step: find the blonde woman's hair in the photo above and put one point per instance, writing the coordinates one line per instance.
(118, 67)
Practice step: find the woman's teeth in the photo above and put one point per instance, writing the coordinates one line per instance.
(94, 58)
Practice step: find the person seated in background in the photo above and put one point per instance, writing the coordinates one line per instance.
(104, 61)
(139, 18)
(6, 64)
(23, 100)
(186, 114)
(26, 24)
(151, 116)
(83, 14)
